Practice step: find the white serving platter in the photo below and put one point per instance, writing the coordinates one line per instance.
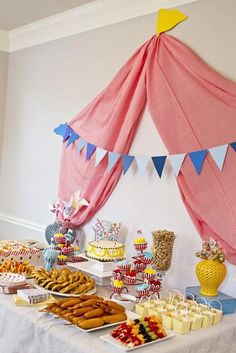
(92, 291)
(102, 278)
(109, 339)
(88, 267)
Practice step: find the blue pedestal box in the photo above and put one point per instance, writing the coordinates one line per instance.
(228, 303)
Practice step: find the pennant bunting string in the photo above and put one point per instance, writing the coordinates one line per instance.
(218, 153)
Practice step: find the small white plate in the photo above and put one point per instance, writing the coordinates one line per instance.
(92, 291)
(109, 339)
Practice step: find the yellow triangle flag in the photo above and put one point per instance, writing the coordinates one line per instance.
(167, 19)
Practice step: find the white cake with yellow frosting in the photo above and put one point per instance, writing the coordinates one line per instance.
(105, 250)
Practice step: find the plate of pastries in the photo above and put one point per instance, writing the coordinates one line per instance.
(88, 312)
(64, 282)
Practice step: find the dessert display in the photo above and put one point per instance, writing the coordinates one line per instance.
(17, 267)
(163, 242)
(179, 314)
(20, 251)
(138, 272)
(88, 311)
(63, 281)
(62, 233)
(105, 250)
(67, 252)
(140, 331)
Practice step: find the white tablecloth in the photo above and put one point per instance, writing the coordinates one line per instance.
(26, 330)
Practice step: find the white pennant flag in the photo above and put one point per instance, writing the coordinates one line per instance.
(176, 161)
(100, 154)
(218, 154)
(142, 162)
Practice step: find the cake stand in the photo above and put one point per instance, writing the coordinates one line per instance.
(100, 271)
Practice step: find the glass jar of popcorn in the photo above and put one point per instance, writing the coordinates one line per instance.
(163, 242)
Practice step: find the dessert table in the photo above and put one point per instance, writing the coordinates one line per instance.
(26, 330)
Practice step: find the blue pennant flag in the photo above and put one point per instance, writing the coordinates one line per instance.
(60, 129)
(159, 163)
(90, 149)
(142, 162)
(233, 145)
(73, 137)
(100, 154)
(67, 133)
(126, 162)
(218, 154)
(198, 158)
(81, 144)
(176, 161)
(112, 159)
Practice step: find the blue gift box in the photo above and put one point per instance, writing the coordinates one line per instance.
(228, 303)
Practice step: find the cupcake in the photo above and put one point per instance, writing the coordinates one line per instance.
(117, 286)
(61, 259)
(67, 250)
(117, 274)
(124, 265)
(76, 257)
(147, 257)
(130, 277)
(60, 238)
(139, 266)
(142, 290)
(155, 285)
(149, 273)
(140, 244)
(59, 246)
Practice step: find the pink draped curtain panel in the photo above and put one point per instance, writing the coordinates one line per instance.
(192, 106)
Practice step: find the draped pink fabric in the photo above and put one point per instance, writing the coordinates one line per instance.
(193, 108)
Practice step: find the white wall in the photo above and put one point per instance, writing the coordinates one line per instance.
(48, 84)
(3, 88)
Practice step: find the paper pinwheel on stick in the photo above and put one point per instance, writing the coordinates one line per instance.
(64, 211)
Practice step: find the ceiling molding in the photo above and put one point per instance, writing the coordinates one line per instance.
(94, 15)
(4, 41)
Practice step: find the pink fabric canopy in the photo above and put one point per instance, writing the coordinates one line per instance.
(193, 108)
